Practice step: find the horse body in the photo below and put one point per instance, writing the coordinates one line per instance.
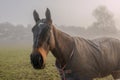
(94, 58)
(91, 58)
(76, 58)
(97, 60)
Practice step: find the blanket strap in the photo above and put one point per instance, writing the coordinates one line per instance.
(62, 69)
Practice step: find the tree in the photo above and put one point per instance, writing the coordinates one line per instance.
(105, 20)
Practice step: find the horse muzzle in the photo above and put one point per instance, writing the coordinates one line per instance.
(37, 60)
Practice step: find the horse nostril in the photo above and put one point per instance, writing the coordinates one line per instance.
(40, 59)
(36, 60)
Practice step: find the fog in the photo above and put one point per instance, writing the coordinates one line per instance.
(64, 12)
(83, 18)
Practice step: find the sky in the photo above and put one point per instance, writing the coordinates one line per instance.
(63, 12)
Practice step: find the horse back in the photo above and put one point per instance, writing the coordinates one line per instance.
(110, 53)
(98, 57)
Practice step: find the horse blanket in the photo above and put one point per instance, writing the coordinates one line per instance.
(92, 58)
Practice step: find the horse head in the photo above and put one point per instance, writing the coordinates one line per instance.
(43, 39)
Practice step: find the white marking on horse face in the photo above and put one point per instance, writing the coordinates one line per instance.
(40, 24)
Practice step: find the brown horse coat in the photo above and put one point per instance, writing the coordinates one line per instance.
(93, 58)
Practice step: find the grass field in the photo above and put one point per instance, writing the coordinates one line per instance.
(15, 65)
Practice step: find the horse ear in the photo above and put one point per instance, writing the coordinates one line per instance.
(48, 16)
(36, 16)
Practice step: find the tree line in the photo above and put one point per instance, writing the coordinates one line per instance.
(104, 25)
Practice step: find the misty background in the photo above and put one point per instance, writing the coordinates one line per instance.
(83, 18)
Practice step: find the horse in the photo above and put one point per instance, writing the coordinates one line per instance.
(77, 58)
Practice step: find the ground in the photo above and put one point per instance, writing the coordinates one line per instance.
(15, 65)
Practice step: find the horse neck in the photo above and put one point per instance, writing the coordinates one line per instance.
(63, 46)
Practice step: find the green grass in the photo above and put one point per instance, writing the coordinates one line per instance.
(15, 65)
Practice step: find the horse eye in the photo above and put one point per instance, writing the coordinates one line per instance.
(32, 30)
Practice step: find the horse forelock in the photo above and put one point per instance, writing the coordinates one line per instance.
(41, 33)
